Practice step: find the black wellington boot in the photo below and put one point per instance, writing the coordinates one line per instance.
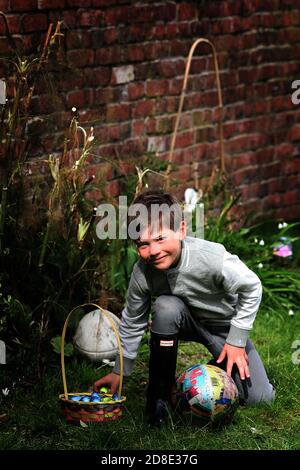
(162, 370)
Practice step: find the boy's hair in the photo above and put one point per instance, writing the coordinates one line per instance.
(156, 210)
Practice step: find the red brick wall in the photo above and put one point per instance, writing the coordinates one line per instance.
(130, 59)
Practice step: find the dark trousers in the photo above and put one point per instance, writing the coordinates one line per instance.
(171, 316)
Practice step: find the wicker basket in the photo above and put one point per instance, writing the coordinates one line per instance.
(91, 412)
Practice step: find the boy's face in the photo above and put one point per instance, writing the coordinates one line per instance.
(161, 249)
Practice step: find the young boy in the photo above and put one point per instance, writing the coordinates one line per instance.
(202, 293)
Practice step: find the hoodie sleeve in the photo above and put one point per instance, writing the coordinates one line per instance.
(239, 279)
(134, 320)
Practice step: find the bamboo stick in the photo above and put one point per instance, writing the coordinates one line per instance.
(182, 96)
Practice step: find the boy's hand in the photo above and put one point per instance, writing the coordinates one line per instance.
(236, 356)
(111, 380)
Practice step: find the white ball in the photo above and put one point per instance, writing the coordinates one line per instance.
(95, 337)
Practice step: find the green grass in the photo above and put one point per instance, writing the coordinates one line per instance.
(35, 421)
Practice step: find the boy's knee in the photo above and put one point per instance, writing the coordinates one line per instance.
(168, 304)
(167, 313)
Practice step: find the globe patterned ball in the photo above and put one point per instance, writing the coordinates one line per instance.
(208, 392)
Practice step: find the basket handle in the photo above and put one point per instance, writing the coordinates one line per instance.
(186, 75)
(62, 347)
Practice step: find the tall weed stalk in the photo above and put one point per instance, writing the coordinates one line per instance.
(23, 75)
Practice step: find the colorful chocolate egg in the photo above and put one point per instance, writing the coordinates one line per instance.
(75, 398)
(85, 399)
(95, 399)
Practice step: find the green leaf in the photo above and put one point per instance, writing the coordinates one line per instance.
(83, 424)
(56, 343)
(82, 229)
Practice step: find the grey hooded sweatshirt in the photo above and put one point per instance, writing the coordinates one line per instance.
(217, 287)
